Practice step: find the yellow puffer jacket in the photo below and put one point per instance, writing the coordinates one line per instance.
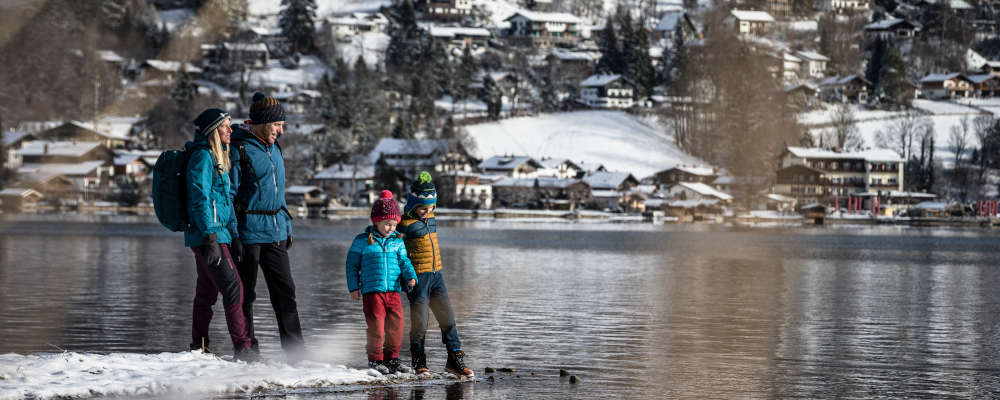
(421, 239)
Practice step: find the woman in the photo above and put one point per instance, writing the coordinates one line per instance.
(211, 229)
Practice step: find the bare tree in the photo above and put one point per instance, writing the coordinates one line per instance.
(959, 139)
(982, 126)
(901, 133)
(846, 134)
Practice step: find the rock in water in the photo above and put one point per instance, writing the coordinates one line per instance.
(574, 379)
(490, 370)
(563, 372)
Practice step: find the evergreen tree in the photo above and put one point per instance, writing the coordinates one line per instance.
(611, 54)
(3, 157)
(645, 75)
(629, 46)
(876, 60)
(448, 131)
(549, 100)
(406, 39)
(673, 61)
(894, 88)
(466, 73)
(297, 24)
(184, 92)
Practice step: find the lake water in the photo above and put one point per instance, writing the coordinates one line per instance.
(633, 310)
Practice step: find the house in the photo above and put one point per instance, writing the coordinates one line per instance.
(606, 91)
(18, 199)
(551, 193)
(507, 83)
(539, 5)
(779, 8)
(820, 174)
(606, 180)
(813, 64)
(113, 134)
(444, 9)
(946, 86)
(891, 28)
(253, 54)
(459, 37)
(406, 158)
(684, 173)
(543, 29)
(559, 168)
(802, 96)
(12, 142)
(164, 72)
(751, 23)
(134, 165)
(44, 151)
(846, 6)
(61, 180)
(692, 210)
(991, 67)
(350, 184)
(985, 85)
(791, 67)
(116, 61)
(696, 191)
(512, 166)
(305, 195)
(342, 26)
(844, 89)
(667, 27)
(463, 190)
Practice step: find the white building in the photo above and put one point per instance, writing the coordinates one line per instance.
(753, 23)
(543, 29)
(606, 91)
(355, 23)
(813, 64)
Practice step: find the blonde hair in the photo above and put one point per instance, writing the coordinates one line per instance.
(221, 156)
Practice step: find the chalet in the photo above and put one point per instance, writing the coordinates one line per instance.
(844, 89)
(846, 6)
(751, 23)
(43, 151)
(829, 173)
(692, 210)
(133, 165)
(18, 199)
(512, 166)
(253, 54)
(444, 9)
(165, 72)
(779, 8)
(802, 182)
(464, 190)
(791, 67)
(606, 180)
(802, 96)
(813, 64)
(406, 158)
(891, 28)
(62, 179)
(696, 191)
(543, 29)
(539, 5)
(12, 142)
(985, 85)
(559, 168)
(348, 183)
(117, 62)
(342, 26)
(459, 37)
(540, 192)
(667, 27)
(606, 91)
(991, 67)
(111, 135)
(946, 86)
(583, 60)
(684, 173)
(305, 195)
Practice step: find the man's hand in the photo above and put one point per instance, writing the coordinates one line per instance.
(411, 283)
(288, 242)
(356, 295)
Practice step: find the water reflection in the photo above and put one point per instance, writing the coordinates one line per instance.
(632, 310)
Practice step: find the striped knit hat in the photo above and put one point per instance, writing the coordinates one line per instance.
(422, 192)
(208, 120)
(265, 109)
(385, 208)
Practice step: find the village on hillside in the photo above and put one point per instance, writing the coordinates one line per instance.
(664, 110)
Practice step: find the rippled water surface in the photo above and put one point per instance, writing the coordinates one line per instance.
(633, 310)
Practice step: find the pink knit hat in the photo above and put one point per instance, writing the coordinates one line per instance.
(385, 208)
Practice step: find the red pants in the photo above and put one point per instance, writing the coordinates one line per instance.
(384, 315)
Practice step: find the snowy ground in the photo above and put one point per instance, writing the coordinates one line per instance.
(309, 72)
(82, 375)
(619, 141)
(324, 8)
(370, 45)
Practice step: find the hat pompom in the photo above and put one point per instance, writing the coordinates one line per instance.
(258, 96)
(425, 177)
(385, 194)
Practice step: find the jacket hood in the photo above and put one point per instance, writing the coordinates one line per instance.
(242, 132)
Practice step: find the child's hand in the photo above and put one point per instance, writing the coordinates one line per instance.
(411, 283)
(356, 295)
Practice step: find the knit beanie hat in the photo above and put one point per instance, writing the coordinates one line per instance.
(385, 208)
(422, 192)
(209, 119)
(265, 109)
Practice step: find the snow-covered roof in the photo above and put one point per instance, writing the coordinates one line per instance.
(806, 85)
(348, 171)
(670, 20)
(705, 190)
(48, 170)
(555, 162)
(757, 16)
(452, 31)
(694, 170)
(886, 24)
(941, 77)
(19, 192)
(691, 203)
(993, 64)
(600, 180)
(111, 127)
(11, 137)
(789, 57)
(125, 159)
(880, 155)
(414, 147)
(780, 198)
(842, 80)
(258, 47)
(301, 189)
(931, 205)
(170, 66)
(265, 31)
(980, 78)
(566, 55)
(530, 182)
(110, 56)
(812, 56)
(536, 16)
(69, 149)
(508, 163)
(599, 80)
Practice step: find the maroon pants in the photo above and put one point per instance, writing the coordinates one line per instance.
(213, 279)
(384, 315)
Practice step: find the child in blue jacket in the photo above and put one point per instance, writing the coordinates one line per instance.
(375, 263)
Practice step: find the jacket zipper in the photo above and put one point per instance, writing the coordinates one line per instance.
(274, 180)
(215, 214)
(431, 241)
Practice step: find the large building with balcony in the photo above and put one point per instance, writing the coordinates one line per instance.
(814, 174)
(543, 29)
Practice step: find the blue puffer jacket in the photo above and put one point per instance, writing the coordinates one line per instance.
(265, 193)
(378, 267)
(208, 203)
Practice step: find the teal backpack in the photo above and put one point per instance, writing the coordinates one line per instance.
(169, 187)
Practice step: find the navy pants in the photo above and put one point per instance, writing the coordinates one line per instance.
(431, 292)
(272, 259)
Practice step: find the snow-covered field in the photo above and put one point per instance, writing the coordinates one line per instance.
(619, 141)
(370, 45)
(82, 375)
(324, 8)
(309, 72)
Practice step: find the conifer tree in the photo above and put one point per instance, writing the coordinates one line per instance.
(466, 73)
(876, 61)
(297, 24)
(611, 54)
(406, 39)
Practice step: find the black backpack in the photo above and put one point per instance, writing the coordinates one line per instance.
(169, 189)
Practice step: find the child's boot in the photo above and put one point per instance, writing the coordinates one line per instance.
(456, 364)
(393, 365)
(419, 363)
(379, 366)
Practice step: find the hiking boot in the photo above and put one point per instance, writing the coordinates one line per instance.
(419, 363)
(379, 366)
(456, 364)
(393, 365)
(205, 350)
(247, 355)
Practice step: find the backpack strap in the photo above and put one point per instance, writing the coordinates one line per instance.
(247, 167)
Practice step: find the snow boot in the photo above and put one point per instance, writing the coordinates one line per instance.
(393, 365)
(419, 363)
(248, 355)
(456, 364)
(379, 366)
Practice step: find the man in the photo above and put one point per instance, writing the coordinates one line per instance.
(265, 226)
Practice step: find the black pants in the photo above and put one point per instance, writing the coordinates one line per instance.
(273, 260)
